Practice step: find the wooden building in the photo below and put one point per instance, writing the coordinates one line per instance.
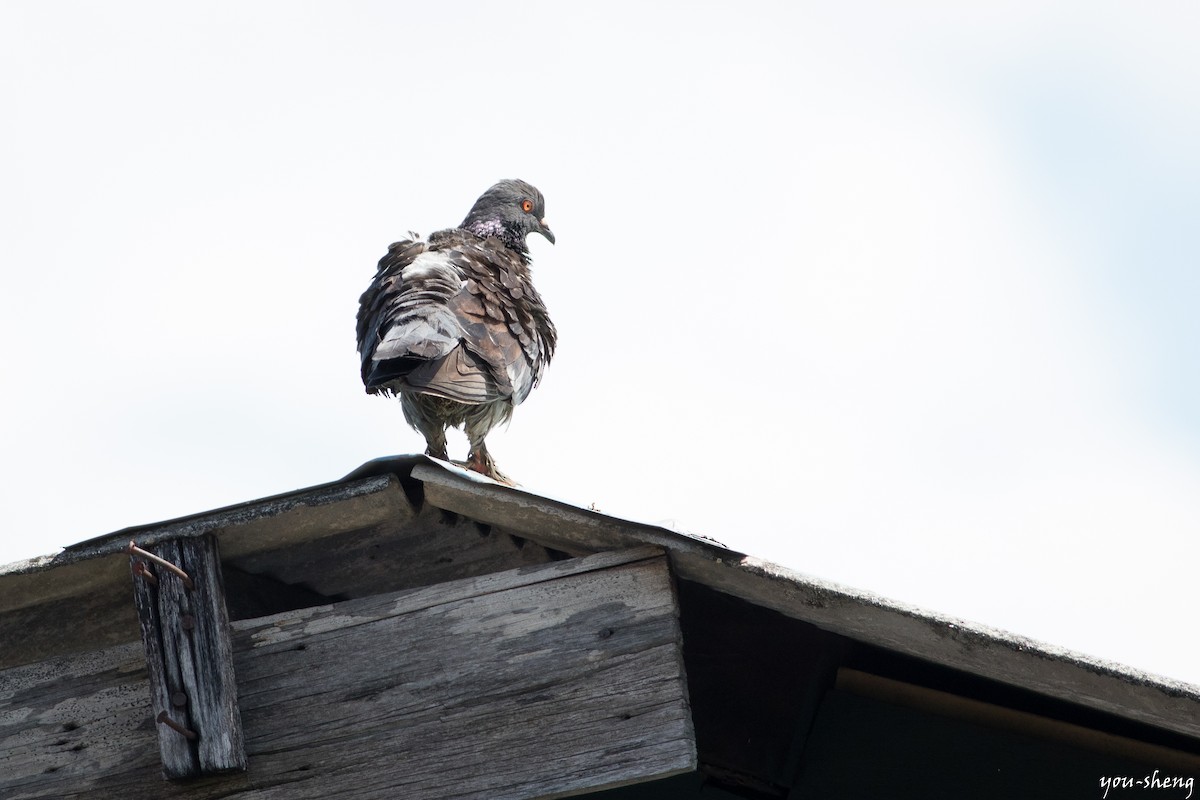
(412, 631)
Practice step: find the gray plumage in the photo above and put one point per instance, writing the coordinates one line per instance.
(454, 326)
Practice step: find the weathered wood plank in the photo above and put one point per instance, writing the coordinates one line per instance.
(66, 721)
(212, 700)
(540, 682)
(177, 752)
(302, 622)
(185, 631)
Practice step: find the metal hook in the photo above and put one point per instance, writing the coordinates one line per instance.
(133, 549)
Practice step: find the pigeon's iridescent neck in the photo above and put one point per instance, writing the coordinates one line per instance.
(496, 228)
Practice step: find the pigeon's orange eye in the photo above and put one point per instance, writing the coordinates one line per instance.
(527, 206)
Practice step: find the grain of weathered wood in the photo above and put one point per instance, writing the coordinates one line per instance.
(302, 622)
(212, 701)
(177, 752)
(186, 635)
(541, 682)
(67, 720)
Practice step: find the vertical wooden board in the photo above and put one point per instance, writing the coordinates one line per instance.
(189, 656)
(176, 752)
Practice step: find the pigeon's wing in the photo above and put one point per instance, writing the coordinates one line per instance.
(498, 311)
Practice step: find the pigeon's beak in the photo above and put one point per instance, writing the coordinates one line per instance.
(544, 230)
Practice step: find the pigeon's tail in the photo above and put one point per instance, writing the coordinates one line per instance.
(424, 353)
(425, 335)
(460, 376)
(382, 377)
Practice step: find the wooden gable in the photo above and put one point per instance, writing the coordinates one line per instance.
(410, 631)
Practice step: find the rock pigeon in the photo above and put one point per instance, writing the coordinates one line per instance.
(454, 326)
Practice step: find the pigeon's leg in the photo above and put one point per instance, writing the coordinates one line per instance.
(480, 459)
(477, 425)
(434, 432)
(436, 446)
(429, 425)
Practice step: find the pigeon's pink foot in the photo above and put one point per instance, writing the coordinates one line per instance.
(481, 461)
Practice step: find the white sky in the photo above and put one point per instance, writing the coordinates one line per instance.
(901, 298)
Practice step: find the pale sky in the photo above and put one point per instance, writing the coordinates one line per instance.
(900, 297)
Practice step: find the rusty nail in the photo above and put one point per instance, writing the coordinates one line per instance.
(187, 621)
(183, 576)
(178, 699)
(164, 719)
(142, 571)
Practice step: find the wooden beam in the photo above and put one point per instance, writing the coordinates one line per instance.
(539, 682)
(189, 657)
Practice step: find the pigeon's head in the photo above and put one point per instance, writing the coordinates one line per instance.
(510, 211)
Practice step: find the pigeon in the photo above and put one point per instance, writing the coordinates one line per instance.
(454, 327)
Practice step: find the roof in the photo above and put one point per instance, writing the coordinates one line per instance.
(425, 498)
